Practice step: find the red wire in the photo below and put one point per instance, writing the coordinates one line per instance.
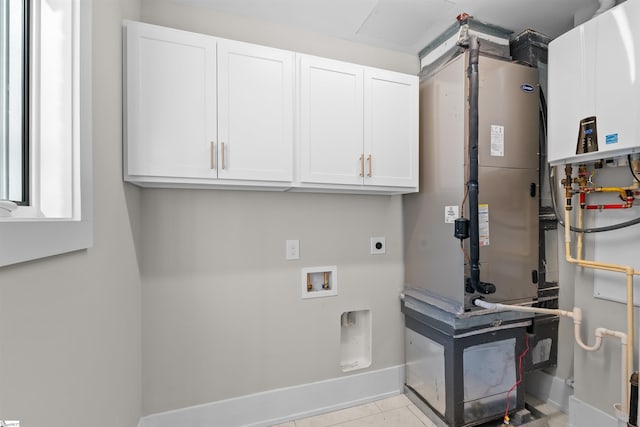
(506, 412)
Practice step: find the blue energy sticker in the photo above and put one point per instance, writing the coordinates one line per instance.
(527, 88)
(611, 139)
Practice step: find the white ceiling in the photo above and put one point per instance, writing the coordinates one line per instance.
(405, 25)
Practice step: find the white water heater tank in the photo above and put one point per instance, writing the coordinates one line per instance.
(594, 88)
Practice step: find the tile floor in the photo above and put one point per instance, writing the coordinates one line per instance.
(397, 411)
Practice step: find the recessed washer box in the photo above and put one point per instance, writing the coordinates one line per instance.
(355, 340)
(319, 281)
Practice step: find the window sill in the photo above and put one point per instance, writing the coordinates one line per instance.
(29, 234)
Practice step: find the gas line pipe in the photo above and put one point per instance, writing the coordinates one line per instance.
(627, 194)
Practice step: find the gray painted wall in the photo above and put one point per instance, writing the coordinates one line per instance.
(222, 311)
(70, 325)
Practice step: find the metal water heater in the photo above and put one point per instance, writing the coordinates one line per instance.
(594, 88)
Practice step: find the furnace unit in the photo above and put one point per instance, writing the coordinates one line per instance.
(462, 362)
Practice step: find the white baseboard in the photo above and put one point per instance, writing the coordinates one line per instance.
(286, 404)
(584, 415)
(550, 389)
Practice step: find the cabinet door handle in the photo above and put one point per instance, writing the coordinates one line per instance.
(222, 159)
(370, 164)
(212, 155)
(361, 164)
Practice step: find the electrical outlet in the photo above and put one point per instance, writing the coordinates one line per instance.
(378, 246)
(293, 249)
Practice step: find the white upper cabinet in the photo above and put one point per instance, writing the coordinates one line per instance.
(170, 103)
(255, 112)
(197, 116)
(331, 116)
(358, 127)
(390, 128)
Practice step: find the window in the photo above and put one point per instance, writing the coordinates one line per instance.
(14, 96)
(55, 215)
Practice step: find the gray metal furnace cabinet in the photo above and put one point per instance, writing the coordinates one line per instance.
(508, 184)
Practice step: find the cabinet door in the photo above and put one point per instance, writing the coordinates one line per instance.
(170, 102)
(255, 112)
(390, 128)
(331, 117)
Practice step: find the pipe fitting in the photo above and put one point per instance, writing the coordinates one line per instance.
(567, 182)
(616, 334)
(479, 302)
(577, 315)
(596, 345)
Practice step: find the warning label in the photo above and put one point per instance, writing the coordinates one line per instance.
(483, 224)
(450, 214)
(497, 141)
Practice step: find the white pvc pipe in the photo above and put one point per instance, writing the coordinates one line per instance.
(624, 381)
(576, 315)
(577, 322)
(522, 308)
(596, 346)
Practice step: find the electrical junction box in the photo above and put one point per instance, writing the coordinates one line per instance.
(594, 73)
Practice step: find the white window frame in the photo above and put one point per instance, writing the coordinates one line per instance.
(60, 217)
(11, 151)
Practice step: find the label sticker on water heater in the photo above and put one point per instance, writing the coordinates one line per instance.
(483, 224)
(450, 214)
(497, 140)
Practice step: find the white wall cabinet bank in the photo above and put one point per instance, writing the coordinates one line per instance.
(358, 126)
(203, 111)
(207, 112)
